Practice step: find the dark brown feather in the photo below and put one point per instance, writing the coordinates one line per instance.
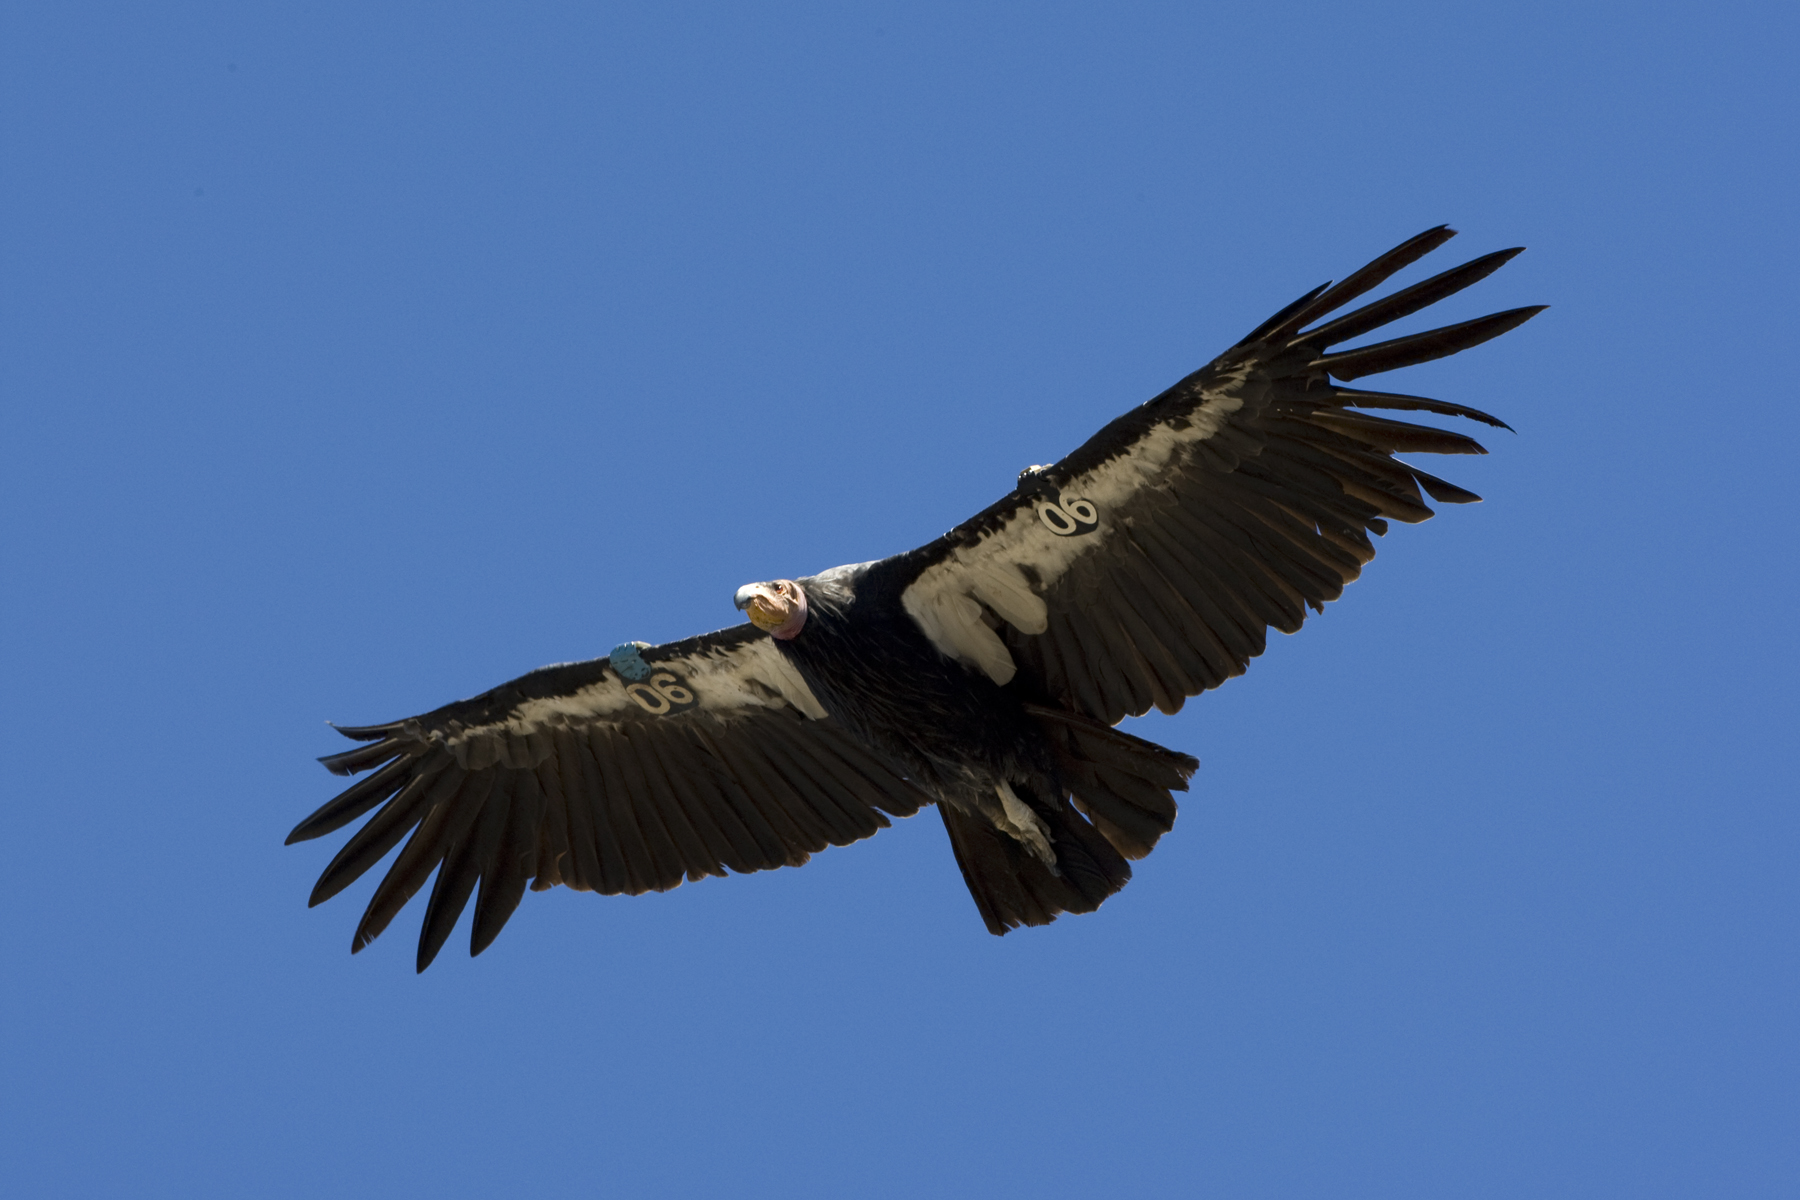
(372, 842)
(554, 859)
(787, 754)
(462, 867)
(1396, 436)
(580, 802)
(759, 807)
(1422, 347)
(509, 865)
(623, 859)
(645, 810)
(1395, 401)
(363, 757)
(1365, 279)
(770, 786)
(703, 847)
(1238, 636)
(354, 801)
(724, 835)
(455, 803)
(1407, 301)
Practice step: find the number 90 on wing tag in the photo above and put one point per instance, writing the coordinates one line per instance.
(1066, 517)
(661, 694)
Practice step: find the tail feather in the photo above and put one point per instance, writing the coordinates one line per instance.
(1123, 784)
(1115, 804)
(1011, 887)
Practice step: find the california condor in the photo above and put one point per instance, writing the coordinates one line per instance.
(983, 672)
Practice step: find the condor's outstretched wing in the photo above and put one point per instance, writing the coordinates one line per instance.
(1147, 566)
(673, 762)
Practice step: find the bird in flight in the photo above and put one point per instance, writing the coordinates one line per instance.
(983, 672)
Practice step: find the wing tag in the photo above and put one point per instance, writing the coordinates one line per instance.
(1068, 517)
(661, 694)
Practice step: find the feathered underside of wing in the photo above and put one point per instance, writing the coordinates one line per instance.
(716, 756)
(1148, 565)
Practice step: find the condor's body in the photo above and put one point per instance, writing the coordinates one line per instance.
(957, 733)
(989, 755)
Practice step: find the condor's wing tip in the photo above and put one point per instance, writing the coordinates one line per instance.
(366, 733)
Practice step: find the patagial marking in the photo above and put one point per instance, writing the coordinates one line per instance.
(722, 682)
(943, 598)
(661, 694)
(1003, 588)
(1068, 518)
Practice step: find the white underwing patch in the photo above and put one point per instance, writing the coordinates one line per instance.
(720, 681)
(945, 600)
(952, 621)
(1002, 588)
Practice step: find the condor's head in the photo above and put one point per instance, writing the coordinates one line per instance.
(779, 607)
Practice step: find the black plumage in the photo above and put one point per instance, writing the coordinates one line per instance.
(982, 672)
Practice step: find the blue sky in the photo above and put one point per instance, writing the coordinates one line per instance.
(359, 357)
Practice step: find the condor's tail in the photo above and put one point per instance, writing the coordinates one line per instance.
(1117, 803)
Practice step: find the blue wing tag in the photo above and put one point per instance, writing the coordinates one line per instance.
(628, 662)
